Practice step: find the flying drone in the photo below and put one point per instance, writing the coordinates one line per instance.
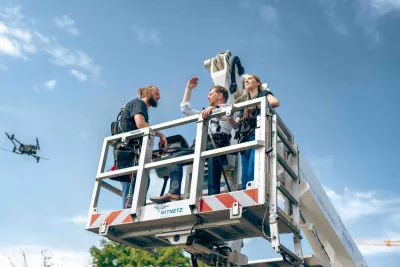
(29, 150)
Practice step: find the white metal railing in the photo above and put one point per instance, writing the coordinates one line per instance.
(262, 144)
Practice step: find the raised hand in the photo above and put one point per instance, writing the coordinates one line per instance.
(192, 83)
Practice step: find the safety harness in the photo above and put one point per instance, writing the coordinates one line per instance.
(218, 140)
(117, 125)
(246, 128)
(125, 155)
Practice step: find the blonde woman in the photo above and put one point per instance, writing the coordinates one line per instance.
(254, 89)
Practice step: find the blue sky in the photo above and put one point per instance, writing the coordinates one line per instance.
(66, 67)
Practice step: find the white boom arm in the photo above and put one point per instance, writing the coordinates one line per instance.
(321, 224)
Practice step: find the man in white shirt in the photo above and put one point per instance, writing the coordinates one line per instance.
(219, 129)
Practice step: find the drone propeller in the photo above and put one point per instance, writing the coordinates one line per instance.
(37, 143)
(12, 139)
(38, 158)
(10, 151)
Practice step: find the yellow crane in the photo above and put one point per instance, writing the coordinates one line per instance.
(388, 243)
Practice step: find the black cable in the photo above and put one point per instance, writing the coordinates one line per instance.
(235, 63)
(191, 230)
(220, 163)
(199, 222)
(224, 174)
(194, 261)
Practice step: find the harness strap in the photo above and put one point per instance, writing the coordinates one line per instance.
(220, 163)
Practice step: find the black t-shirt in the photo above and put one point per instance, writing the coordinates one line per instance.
(256, 112)
(131, 109)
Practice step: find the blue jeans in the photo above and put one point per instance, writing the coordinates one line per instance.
(247, 160)
(125, 192)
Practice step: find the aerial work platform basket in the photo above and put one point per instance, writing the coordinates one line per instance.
(285, 198)
(199, 221)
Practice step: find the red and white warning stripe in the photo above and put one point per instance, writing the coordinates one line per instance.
(208, 203)
(111, 218)
(224, 201)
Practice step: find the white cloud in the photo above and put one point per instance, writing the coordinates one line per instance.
(147, 36)
(377, 250)
(335, 20)
(370, 12)
(79, 219)
(18, 41)
(373, 246)
(78, 74)
(29, 48)
(59, 256)
(64, 57)
(12, 15)
(3, 28)
(48, 85)
(352, 205)
(9, 47)
(14, 41)
(268, 13)
(74, 31)
(51, 84)
(20, 34)
(384, 6)
(65, 22)
(366, 15)
(43, 39)
(340, 28)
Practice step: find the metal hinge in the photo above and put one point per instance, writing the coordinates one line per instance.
(236, 211)
(103, 230)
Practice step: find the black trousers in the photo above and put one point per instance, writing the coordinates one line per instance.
(214, 174)
(213, 177)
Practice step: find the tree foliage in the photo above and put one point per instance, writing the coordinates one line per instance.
(110, 254)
